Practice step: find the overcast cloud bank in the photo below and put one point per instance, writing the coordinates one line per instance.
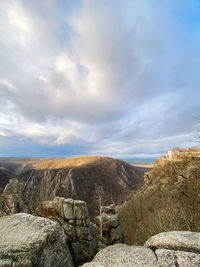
(98, 77)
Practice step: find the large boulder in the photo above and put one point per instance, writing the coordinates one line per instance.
(122, 255)
(172, 258)
(28, 240)
(176, 240)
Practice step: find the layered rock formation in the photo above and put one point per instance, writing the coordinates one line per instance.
(111, 227)
(170, 249)
(78, 178)
(73, 217)
(28, 241)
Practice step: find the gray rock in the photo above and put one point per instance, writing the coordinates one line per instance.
(83, 222)
(109, 209)
(58, 203)
(68, 209)
(176, 240)
(80, 210)
(111, 226)
(123, 255)
(27, 240)
(46, 205)
(79, 232)
(83, 233)
(110, 220)
(11, 201)
(171, 258)
(70, 231)
(83, 251)
(116, 235)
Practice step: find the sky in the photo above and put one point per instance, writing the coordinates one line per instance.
(98, 77)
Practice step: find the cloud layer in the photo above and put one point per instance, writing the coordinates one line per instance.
(99, 77)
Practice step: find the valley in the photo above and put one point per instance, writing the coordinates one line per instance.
(84, 178)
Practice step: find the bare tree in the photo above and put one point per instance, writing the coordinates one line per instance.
(99, 191)
(100, 215)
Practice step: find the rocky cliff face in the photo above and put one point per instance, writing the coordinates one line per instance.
(5, 176)
(83, 179)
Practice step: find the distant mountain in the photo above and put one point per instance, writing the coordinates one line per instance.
(85, 178)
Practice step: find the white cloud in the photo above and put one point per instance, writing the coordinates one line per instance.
(8, 86)
(121, 75)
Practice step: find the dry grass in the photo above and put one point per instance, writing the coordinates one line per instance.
(56, 163)
(19, 164)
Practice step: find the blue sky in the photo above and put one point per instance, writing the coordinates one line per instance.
(98, 77)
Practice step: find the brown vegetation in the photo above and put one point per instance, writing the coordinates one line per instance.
(169, 200)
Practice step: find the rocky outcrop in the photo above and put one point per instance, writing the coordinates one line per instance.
(177, 248)
(111, 227)
(122, 255)
(176, 240)
(12, 199)
(5, 176)
(170, 249)
(73, 216)
(28, 241)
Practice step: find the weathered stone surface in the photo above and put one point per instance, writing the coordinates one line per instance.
(176, 240)
(27, 240)
(80, 210)
(76, 230)
(70, 231)
(109, 209)
(83, 251)
(72, 222)
(123, 255)
(83, 233)
(68, 208)
(11, 201)
(116, 234)
(110, 220)
(111, 227)
(46, 205)
(20, 263)
(172, 258)
(58, 203)
(83, 222)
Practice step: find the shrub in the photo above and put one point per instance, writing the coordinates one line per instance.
(169, 200)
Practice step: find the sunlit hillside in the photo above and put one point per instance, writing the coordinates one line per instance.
(169, 200)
